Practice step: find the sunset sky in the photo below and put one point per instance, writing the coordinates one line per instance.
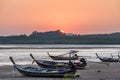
(72, 16)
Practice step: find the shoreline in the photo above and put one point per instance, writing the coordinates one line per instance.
(94, 71)
(60, 48)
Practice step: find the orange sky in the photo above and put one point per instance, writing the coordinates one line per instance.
(72, 16)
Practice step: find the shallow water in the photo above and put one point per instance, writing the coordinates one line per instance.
(21, 52)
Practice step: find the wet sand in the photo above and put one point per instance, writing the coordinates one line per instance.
(94, 71)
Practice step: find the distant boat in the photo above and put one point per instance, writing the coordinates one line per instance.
(107, 59)
(43, 72)
(62, 57)
(51, 64)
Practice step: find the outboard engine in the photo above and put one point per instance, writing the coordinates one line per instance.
(83, 60)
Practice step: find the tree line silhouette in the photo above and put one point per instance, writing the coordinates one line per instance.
(57, 37)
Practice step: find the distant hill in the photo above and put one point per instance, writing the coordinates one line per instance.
(45, 35)
(58, 37)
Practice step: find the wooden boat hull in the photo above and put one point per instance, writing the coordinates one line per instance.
(26, 72)
(65, 65)
(109, 60)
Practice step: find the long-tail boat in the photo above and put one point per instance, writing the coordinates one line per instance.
(107, 59)
(51, 64)
(62, 57)
(43, 72)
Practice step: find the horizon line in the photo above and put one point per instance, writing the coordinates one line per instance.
(58, 30)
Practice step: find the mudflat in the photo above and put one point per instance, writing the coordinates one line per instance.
(94, 71)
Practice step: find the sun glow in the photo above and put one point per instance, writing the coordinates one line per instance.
(73, 16)
(61, 31)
